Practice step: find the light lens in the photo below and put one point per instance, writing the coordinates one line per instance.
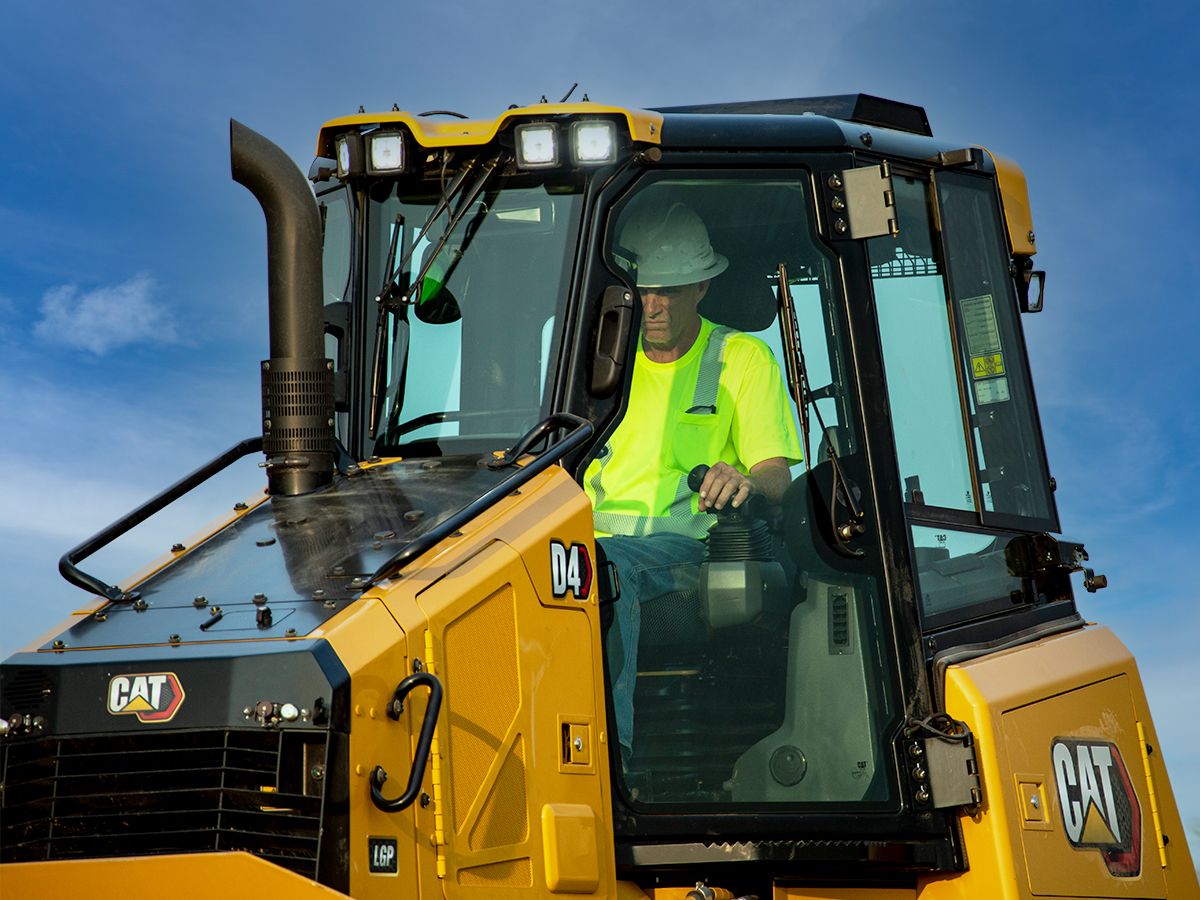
(343, 157)
(537, 146)
(387, 152)
(594, 142)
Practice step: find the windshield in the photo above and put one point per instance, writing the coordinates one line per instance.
(463, 358)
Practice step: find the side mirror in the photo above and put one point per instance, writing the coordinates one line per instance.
(1025, 276)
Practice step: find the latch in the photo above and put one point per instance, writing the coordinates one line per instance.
(862, 202)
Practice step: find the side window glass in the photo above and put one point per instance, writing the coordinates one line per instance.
(919, 355)
(1012, 469)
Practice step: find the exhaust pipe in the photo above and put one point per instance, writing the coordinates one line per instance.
(297, 381)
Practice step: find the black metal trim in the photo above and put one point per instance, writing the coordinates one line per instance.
(67, 564)
(575, 438)
(424, 742)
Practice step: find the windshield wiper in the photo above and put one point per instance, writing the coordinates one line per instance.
(797, 376)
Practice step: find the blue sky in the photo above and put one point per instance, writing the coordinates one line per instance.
(132, 269)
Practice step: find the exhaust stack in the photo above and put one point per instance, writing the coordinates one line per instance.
(297, 381)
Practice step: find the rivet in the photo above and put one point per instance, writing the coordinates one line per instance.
(60, 645)
(339, 570)
(291, 632)
(177, 548)
(359, 770)
(239, 506)
(200, 602)
(358, 709)
(371, 712)
(413, 515)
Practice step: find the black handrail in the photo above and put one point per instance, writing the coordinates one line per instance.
(417, 773)
(574, 439)
(67, 564)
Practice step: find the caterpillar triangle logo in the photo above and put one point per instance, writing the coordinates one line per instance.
(151, 696)
(1099, 807)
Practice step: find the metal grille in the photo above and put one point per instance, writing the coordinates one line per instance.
(906, 266)
(167, 792)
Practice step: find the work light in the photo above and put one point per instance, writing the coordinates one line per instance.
(385, 152)
(349, 155)
(537, 145)
(594, 142)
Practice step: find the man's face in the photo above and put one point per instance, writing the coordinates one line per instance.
(669, 314)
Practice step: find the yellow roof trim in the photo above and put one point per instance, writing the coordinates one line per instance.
(1014, 196)
(643, 125)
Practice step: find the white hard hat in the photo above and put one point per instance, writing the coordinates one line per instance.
(669, 246)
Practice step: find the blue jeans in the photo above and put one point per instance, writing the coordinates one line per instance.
(648, 567)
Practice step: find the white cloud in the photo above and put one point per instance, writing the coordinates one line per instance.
(105, 318)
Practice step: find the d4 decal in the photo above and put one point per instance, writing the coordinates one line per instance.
(1099, 806)
(151, 696)
(570, 570)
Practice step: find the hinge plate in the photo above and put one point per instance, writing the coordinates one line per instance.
(953, 772)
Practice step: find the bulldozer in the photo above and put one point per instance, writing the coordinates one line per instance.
(389, 674)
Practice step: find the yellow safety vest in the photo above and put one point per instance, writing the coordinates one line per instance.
(724, 400)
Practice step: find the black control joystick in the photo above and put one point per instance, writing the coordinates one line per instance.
(739, 573)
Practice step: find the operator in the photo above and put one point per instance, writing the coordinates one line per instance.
(701, 394)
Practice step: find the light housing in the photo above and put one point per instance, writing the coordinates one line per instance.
(385, 153)
(593, 142)
(349, 155)
(537, 145)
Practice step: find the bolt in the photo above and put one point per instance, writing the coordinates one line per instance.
(265, 542)
(430, 464)
(330, 604)
(375, 459)
(140, 605)
(835, 182)
(384, 535)
(417, 665)
(317, 772)
(319, 594)
(425, 800)
(396, 708)
(100, 616)
(358, 582)
(173, 639)
(838, 203)
(247, 711)
(840, 226)
(413, 515)
(922, 795)
(1033, 801)
(266, 366)
(1032, 238)
(260, 599)
(866, 138)
(339, 570)
(289, 712)
(918, 772)
(291, 632)
(915, 750)
(60, 645)
(353, 469)
(177, 548)
(200, 602)
(578, 744)
(215, 611)
(239, 506)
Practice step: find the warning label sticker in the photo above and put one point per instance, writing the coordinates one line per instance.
(979, 322)
(994, 390)
(987, 366)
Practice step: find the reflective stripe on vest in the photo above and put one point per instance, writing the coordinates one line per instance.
(680, 518)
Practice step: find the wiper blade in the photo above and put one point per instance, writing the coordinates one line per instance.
(492, 166)
(392, 275)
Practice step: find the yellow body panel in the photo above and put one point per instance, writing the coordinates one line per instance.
(1079, 685)
(196, 876)
(644, 126)
(1014, 197)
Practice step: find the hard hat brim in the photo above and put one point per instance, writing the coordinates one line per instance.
(647, 279)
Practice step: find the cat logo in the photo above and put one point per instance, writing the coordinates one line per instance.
(152, 697)
(1099, 808)
(570, 570)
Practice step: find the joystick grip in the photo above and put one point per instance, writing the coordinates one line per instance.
(696, 477)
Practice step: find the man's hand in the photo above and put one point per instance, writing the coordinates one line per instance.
(724, 484)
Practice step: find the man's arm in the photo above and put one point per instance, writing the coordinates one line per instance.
(725, 484)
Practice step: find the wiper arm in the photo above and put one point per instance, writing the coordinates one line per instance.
(381, 318)
(392, 276)
(492, 166)
(797, 373)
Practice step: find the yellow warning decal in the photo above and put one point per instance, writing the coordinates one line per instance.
(987, 366)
